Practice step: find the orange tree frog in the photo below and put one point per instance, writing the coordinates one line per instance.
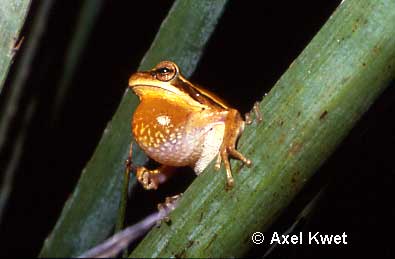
(180, 124)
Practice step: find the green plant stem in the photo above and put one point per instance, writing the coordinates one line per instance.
(307, 114)
(89, 216)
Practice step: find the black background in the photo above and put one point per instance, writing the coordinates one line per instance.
(256, 41)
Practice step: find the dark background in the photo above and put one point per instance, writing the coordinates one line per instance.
(259, 40)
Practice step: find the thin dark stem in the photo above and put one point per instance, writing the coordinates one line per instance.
(124, 195)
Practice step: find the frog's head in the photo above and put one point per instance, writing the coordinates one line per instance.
(164, 79)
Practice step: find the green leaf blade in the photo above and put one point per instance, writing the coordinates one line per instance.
(12, 18)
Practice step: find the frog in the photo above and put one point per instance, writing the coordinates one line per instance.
(178, 123)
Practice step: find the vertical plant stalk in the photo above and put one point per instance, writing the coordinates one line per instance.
(307, 114)
(88, 217)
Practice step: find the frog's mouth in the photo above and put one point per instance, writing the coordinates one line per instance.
(142, 80)
(139, 87)
(158, 91)
(146, 79)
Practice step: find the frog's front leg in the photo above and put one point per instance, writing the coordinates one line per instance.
(150, 179)
(234, 126)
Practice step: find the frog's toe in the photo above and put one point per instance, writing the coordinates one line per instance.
(236, 154)
(217, 165)
(225, 158)
(165, 208)
(248, 119)
(230, 183)
(248, 162)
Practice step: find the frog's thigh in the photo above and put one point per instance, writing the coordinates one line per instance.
(211, 144)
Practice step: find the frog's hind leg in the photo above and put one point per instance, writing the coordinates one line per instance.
(150, 179)
(234, 126)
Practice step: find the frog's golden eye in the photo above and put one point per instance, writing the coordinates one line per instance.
(165, 71)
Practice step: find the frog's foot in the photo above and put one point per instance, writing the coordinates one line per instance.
(256, 111)
(169, 205)
(147, 178)
(150, 179)
(234, 127)
(224, 156)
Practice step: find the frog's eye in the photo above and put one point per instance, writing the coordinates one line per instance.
(165, 71)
